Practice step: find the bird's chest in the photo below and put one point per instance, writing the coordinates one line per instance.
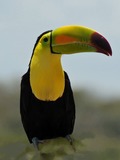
(47, 111)
(47, 85)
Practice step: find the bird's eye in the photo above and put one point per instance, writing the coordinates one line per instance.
(45, 39)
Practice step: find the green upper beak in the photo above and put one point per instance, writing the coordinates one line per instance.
(74, 39)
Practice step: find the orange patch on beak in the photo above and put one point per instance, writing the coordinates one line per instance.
(64, 39)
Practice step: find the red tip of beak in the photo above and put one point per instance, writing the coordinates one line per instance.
(101, 44)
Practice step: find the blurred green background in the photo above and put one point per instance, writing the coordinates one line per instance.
(96, 134)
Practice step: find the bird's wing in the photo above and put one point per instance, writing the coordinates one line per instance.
(24, 102)
(70, 104)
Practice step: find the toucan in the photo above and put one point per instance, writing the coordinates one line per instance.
(47, 104)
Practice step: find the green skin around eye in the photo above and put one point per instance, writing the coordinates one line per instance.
(45, 39)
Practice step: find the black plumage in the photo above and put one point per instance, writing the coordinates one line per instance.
(46, 119)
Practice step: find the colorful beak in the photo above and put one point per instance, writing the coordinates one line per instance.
(75, 39)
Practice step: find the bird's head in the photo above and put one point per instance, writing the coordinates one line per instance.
(72, 39)
(46, 73)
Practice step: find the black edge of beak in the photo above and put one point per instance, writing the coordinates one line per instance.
(51, 44)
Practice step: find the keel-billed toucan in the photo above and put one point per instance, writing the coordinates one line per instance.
(46, 102)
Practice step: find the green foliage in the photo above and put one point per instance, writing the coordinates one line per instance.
(96, 134)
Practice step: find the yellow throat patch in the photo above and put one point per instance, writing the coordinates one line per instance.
(46, 75)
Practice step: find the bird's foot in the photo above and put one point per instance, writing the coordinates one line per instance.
(36, 142)
(71, 142)
(69, 139)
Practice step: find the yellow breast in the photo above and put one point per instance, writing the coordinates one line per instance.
(47, 77)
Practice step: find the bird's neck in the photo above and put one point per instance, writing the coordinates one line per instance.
(47, 77)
